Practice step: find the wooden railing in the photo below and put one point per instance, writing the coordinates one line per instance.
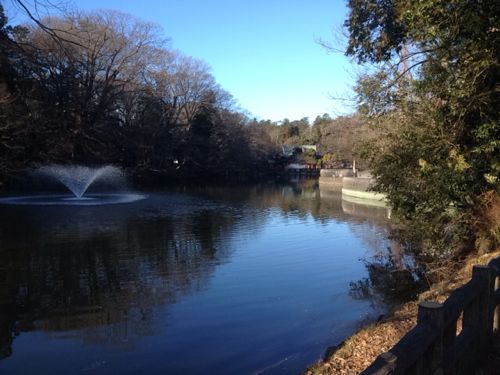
(433, 346)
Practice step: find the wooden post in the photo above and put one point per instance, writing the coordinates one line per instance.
(493, 264)
(432, 314)
(496, 309)
(475, 320)
(438, 354)
(484, 323)
(385, 364)
(449, 335)
(418, 368)
(390, 360)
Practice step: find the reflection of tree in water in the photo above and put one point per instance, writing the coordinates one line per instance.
(391, 274)
(386, 264)
(392, 277)
(302, 198)
(103, 282)
(102, 272)
(388, 282)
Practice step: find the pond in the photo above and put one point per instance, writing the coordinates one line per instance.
(253, 280)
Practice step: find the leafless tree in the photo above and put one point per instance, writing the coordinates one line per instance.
(107, 51)
(185, 85)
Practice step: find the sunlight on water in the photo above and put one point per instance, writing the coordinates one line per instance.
(184, 282)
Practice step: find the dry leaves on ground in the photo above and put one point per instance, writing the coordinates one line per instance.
(361, 349)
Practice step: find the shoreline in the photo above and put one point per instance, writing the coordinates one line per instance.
(359, 350)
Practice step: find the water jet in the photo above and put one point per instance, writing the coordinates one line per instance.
(77, 179)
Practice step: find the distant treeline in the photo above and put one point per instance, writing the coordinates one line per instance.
(104, 87)
(339, 139)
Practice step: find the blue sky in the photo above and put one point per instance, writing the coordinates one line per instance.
(263, 52)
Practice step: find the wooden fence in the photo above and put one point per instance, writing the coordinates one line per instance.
(433, 346)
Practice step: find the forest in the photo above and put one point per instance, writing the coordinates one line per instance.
(431, 89)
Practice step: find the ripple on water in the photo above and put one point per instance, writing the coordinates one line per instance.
(69, 200)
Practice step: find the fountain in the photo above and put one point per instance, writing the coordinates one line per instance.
(77, 179)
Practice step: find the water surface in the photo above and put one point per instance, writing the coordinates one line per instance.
(249, 280)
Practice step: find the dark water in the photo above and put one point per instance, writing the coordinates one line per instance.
(204, 281)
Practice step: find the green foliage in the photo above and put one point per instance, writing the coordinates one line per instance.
(437, 156)
(375, 31)
(307, 157)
